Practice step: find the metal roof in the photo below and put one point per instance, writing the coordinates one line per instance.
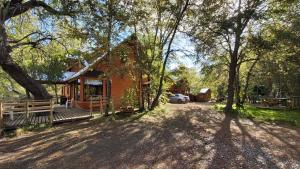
(85, 69)
(204, 90)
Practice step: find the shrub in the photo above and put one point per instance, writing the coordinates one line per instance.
(129, 98)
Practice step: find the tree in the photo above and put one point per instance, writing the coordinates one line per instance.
(191, 78)
(220, 30)
(10, 9)
(180, 9)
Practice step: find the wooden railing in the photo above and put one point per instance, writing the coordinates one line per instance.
(97, 102)
(25, 107)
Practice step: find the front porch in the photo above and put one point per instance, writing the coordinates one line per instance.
(60, 115)
(80, 91)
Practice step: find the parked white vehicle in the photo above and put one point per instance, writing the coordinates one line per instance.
(179, 98)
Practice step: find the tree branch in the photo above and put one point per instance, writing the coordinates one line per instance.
(20, 8)
(32, 43)
(17, 41)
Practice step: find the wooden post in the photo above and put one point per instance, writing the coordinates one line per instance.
(101, 104)
(112, 106)
(82, 79)
(27, 111)
(1, 117)
(51, 111)
(91, 106)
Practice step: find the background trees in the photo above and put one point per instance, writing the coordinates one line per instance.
(242, 43)
(220, 31)
(10, 11)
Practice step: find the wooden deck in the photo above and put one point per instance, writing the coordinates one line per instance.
(60, 115)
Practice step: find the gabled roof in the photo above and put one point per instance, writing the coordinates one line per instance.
(204, 90)
(87, 68)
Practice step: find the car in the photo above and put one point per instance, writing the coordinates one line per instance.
(179, 98)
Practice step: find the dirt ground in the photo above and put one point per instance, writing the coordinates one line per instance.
(184, 136)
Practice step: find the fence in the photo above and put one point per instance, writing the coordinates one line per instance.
(25, 107)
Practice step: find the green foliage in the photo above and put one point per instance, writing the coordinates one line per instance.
(285, 116)
(187, 78)
(130, 98)
(267, 115)
(163, 99)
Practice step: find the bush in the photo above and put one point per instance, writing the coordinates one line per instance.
(130, 98)
(163, 98)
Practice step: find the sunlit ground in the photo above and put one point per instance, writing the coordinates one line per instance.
(177, 136)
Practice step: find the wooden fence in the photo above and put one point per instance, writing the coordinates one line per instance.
(25, 107)
(97, 102)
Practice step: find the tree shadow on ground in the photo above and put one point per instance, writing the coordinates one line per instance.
(188, 138)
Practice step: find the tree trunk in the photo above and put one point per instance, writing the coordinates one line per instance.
(16, 72)
(230, 89)
(108, 45)
(19, 75)
(238, 87)
(248, 80)
(56, 95)
(148, 92)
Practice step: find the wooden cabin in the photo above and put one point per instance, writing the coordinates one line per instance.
(204, 95)
(99, 78)
(181, 86)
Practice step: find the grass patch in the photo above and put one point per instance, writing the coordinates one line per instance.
(269, 115)
(27, 128)
(129, 117)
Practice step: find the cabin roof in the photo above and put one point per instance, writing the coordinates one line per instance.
(204, 90)
(90, 66)
(84, 70)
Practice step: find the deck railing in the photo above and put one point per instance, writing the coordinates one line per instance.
(97, 101)
(25, 107)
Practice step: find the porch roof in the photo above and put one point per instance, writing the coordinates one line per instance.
(85, 70)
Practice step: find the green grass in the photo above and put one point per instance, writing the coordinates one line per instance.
(269, 115)
(27, 128)
(130, 117)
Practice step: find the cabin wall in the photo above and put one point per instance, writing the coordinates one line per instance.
(123, 74)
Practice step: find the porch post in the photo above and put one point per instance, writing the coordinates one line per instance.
(71, 91)
(104, 87)
(82, 79)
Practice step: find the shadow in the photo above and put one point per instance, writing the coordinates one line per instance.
(257, 156)
(276, 132)
(225, 151)
(186, 136)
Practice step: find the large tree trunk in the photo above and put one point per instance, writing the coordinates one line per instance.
(248, 80)
(238, 87)
(230, 89)
(20, 76)
(15, 71)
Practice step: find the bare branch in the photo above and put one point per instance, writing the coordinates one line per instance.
(17, 41)
(20, 8)
(32, 43)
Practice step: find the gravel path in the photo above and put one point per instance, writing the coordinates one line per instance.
(185, 136)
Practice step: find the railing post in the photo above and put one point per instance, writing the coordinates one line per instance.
(101, 105)
(1, 117)
(51, 111)
(112, 106)
(91, 106)
(27, 111)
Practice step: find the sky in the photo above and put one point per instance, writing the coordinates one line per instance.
(185, 44)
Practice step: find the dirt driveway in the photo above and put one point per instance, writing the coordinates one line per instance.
(183, 136)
